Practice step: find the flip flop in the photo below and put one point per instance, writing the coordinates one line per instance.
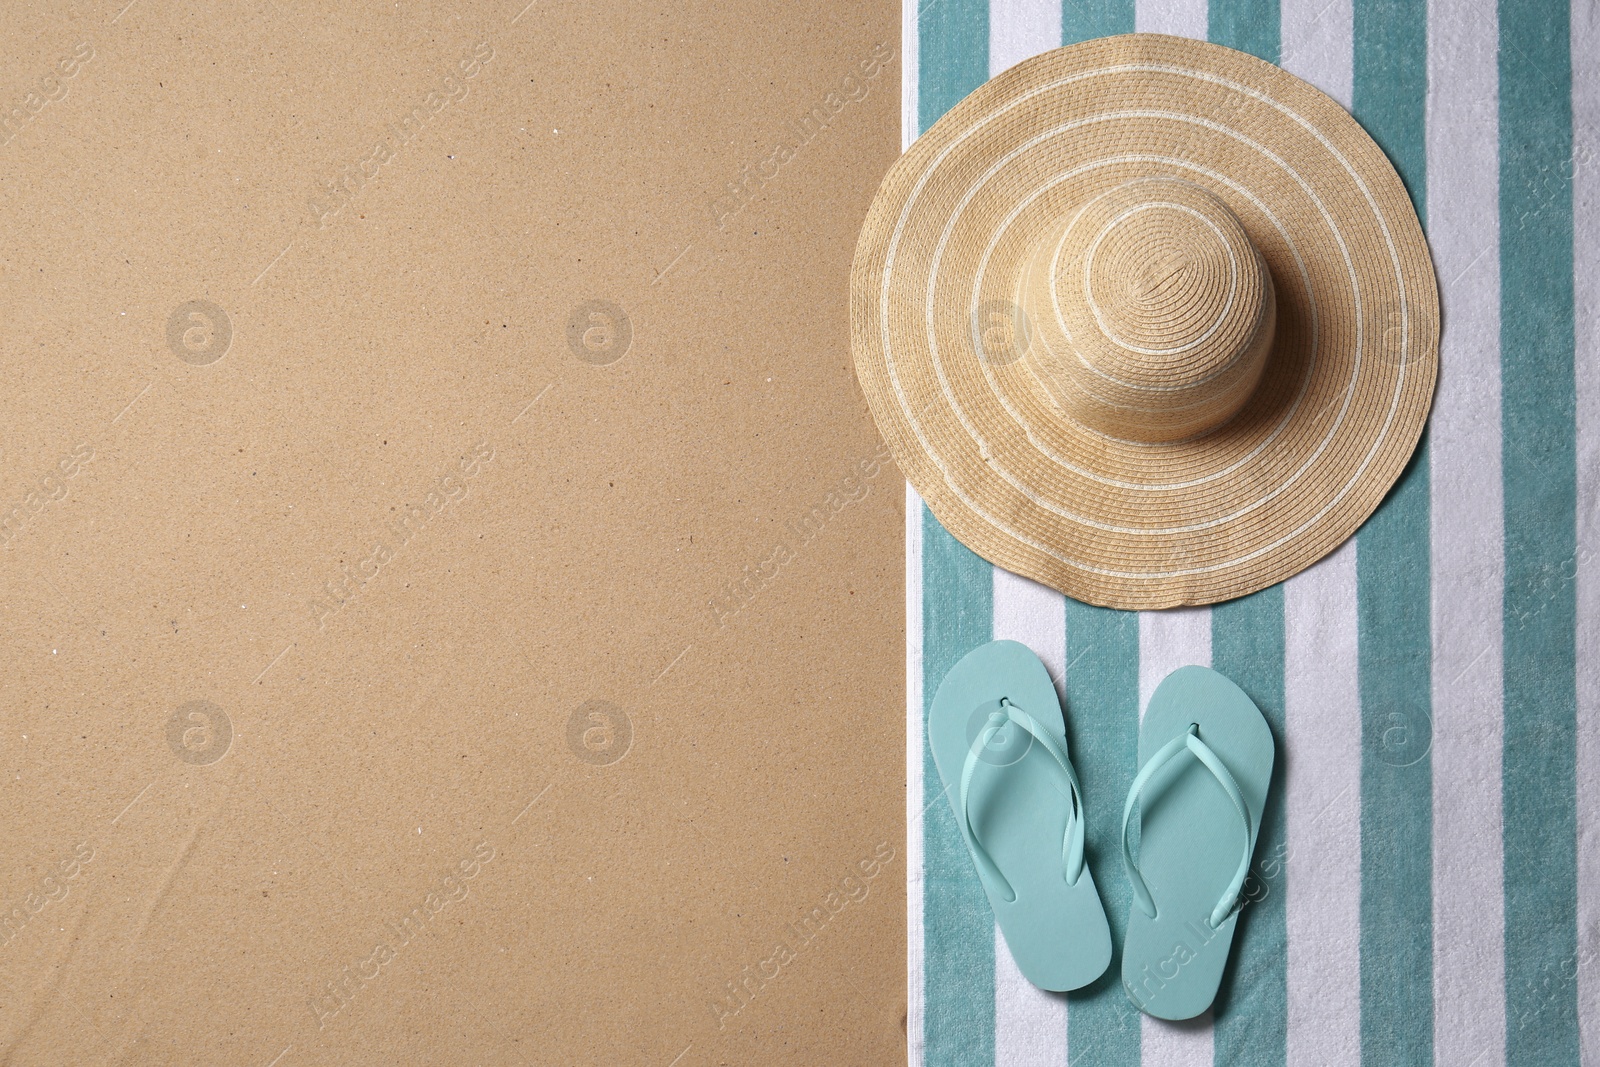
(1205, 755)
(999, 741)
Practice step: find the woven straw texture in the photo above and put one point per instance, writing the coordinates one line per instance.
(1067, 287)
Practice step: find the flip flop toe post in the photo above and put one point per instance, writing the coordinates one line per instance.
(999, 741)
(1205, 757)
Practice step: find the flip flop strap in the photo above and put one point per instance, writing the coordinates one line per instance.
(1187, 741)
(1072, 840)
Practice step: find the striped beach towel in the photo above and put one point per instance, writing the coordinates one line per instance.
(1427, 885)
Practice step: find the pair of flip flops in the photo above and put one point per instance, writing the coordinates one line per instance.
(1205, 759)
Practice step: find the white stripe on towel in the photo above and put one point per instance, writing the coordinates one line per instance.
(1019, 29)
(914, 802)
(910, 49)
(1468, 535)
(1320, 870)
(1316, 45)
(1183, 18)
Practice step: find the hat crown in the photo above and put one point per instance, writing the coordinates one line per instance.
(1151, 312)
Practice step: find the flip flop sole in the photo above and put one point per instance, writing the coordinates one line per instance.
(1191, 840)
(1057, 933)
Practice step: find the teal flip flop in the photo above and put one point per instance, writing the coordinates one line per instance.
(1205, 755)
(999, 741)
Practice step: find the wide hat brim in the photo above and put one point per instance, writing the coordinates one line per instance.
(1346, 389)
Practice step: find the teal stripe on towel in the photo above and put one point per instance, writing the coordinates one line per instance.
(1393, 594)
(1538, 433)
(1102, 688)
(1084, 20)
(1251, 1022)
(1248, 25)
(1396, 778)
(957, 616)
(958, 927)
(952, 54)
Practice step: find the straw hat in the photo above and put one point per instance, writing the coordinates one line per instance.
(1148, 320)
